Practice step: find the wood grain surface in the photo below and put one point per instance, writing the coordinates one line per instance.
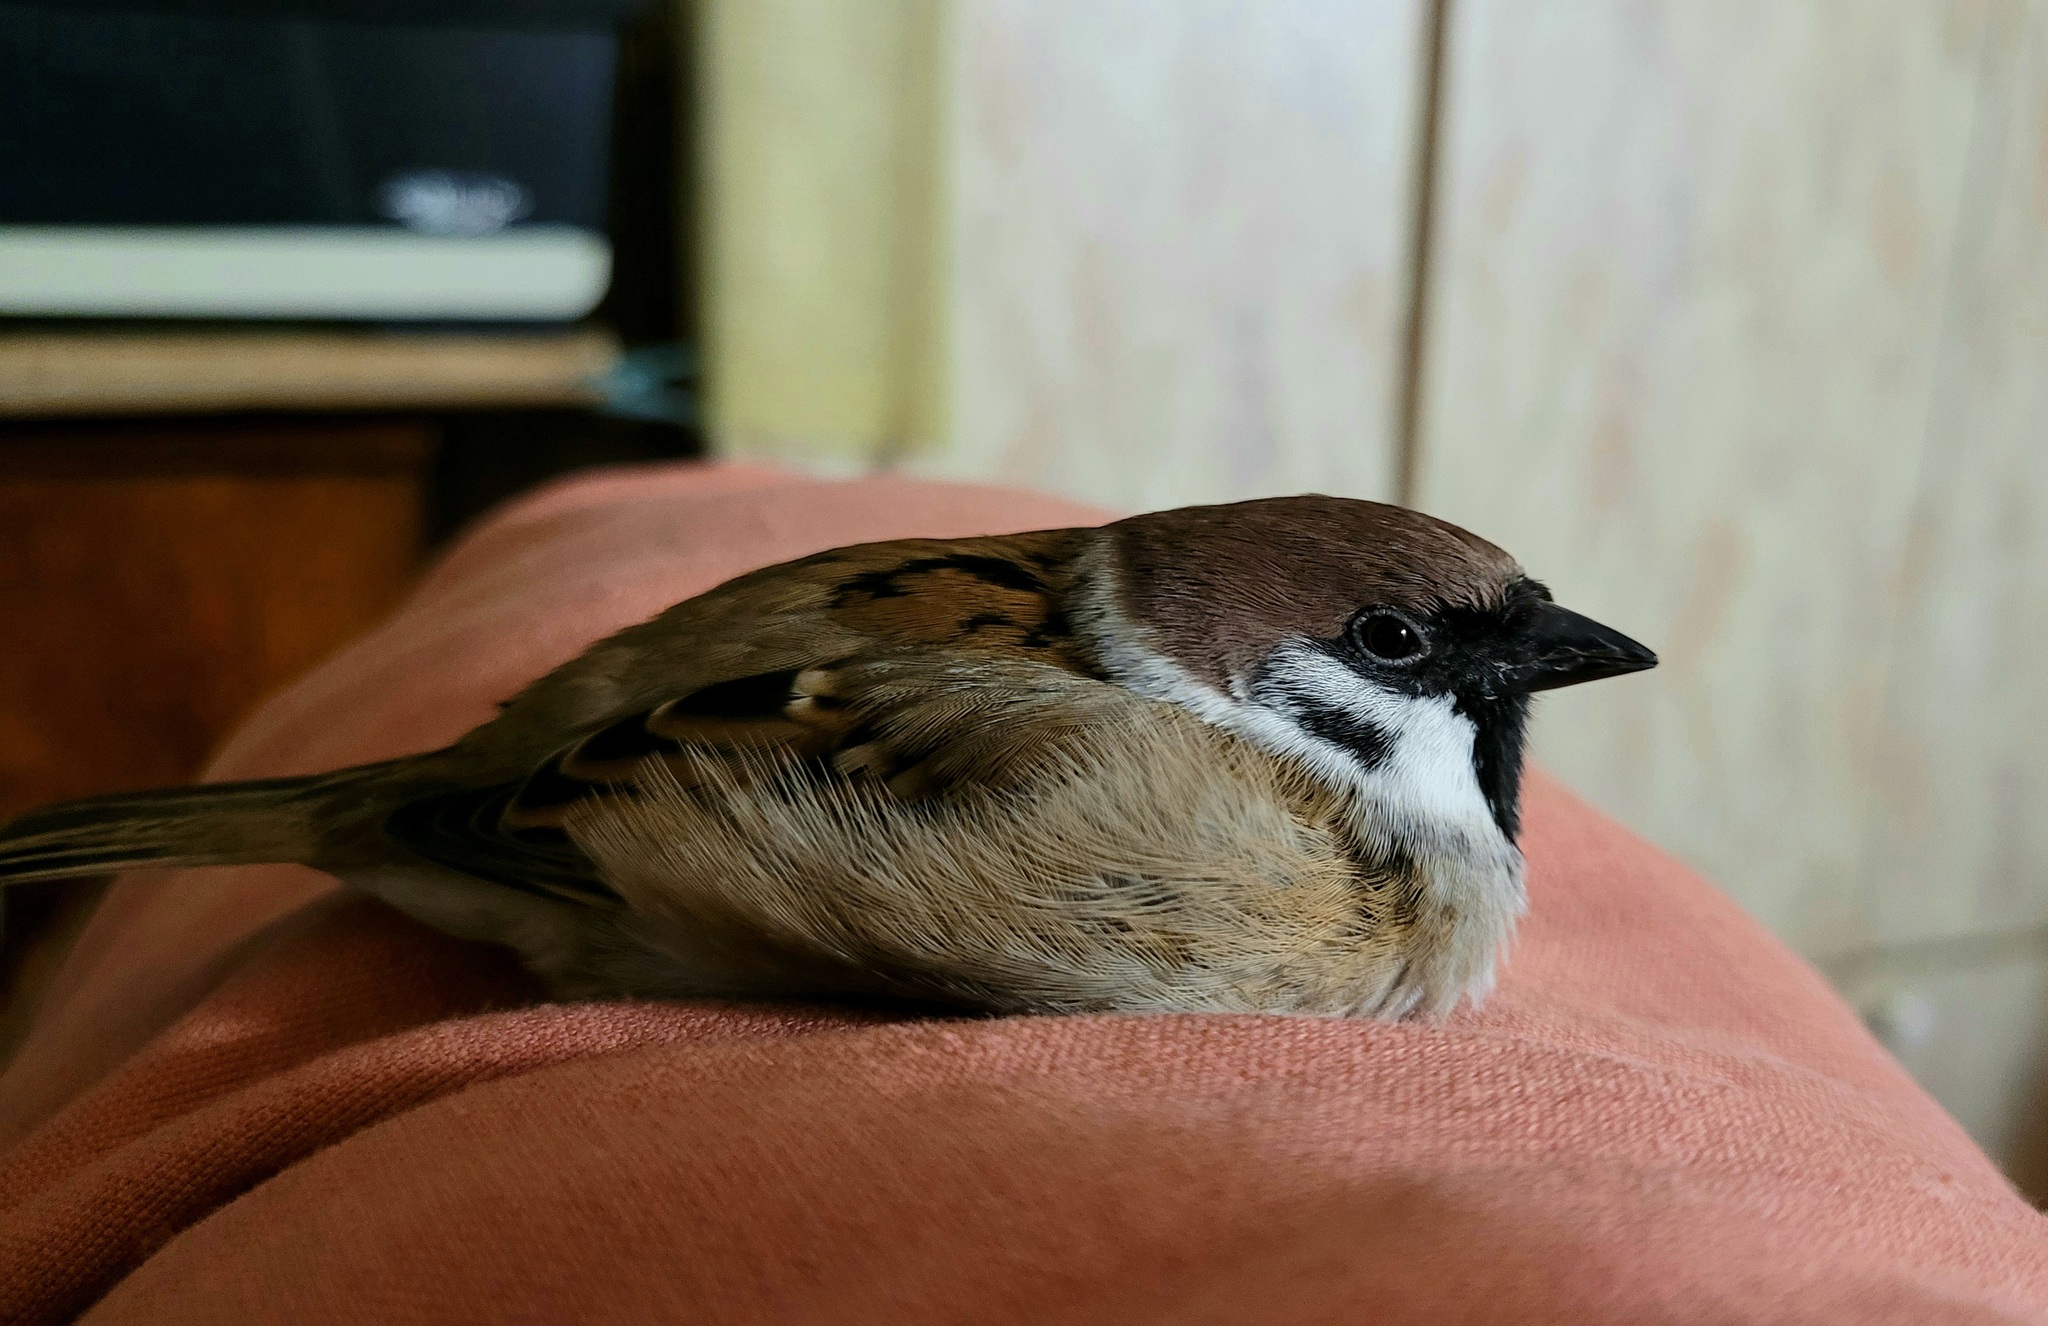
(159, 581)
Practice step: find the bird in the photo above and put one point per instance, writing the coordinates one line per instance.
(1258, 757)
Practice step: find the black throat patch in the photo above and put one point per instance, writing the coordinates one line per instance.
(1500, 730)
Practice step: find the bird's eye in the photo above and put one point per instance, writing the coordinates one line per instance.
(1389, 637)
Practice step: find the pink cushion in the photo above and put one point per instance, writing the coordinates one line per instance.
(252, 1099)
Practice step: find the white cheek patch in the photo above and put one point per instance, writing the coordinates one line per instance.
(1422, 794)
(1422, 779)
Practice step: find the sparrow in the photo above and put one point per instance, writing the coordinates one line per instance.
(1258, 757)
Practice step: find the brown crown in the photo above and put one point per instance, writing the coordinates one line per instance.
(1220, 586)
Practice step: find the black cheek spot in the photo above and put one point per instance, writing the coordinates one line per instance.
(981, 620)
(1365, 740)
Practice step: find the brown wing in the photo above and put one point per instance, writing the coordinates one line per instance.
(958, 595)
(920, 665)
(918, 725)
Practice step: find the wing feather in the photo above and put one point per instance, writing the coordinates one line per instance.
(922, 666)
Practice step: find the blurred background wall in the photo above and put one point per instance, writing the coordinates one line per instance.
(1730, 320)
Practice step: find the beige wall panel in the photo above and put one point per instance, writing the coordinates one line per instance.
(1960, 840)
(1974, 1036)
(819, 211)
(1179, 232)
(1690, 271)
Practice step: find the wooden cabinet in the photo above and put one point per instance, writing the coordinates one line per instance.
(190, 519)
(159, 579)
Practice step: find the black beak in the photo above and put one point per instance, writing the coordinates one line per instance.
(1557, 647)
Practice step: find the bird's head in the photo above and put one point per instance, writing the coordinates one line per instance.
(1391, 653)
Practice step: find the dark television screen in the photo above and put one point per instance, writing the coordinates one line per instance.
(215, 114)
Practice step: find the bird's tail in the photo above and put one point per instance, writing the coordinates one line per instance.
(211, 824)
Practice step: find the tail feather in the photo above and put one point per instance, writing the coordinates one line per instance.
(211, 824)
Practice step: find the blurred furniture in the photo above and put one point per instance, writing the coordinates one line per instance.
(190, 518)
(192, 513)
(1729, 320)
(438, 160)
(100, 373)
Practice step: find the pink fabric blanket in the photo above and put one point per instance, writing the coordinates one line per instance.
(252, 1099)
